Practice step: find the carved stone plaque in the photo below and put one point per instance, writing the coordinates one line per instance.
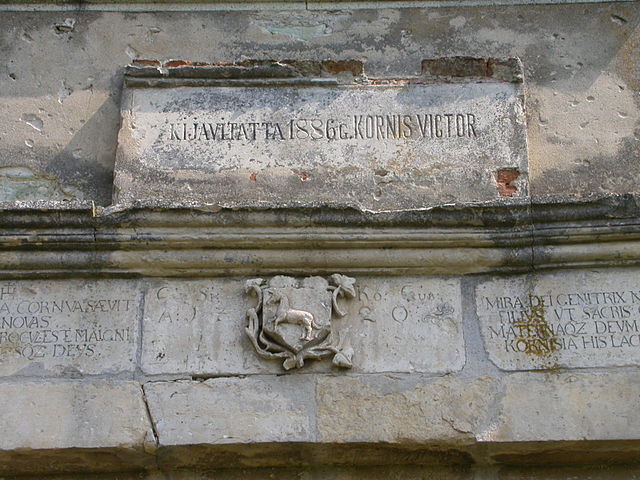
(564, 319)
(202, 327)
(456, 133)
(292, 320)
(51, 327)
(410, 324)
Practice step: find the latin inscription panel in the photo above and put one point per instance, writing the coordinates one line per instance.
(568, 319)
(397, 145)
(67, 326)
(393, 325)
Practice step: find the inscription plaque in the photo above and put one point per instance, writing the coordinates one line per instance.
(199, 327)
(568, 319)
(376, 144)
(67, 326)
(391, 325)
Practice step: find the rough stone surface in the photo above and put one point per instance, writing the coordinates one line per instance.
(445, 401)
(52, 327)
(564, 319)
(232, 410)
(521, 407)
(61, 86)
(400, 410)
(379, 146)
(393, 325)
(73, 414)
(567, 406)
(302, 420)
(74, 425)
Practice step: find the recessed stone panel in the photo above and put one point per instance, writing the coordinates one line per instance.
(376, 144)
(393, 325)
(563, 319)
(50, 327)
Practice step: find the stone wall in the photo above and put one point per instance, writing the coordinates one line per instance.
(475, 350)
(488, 331)
(62, 78)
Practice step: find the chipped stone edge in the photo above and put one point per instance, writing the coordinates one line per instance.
(147, 73)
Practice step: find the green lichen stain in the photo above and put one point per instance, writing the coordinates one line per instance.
(21, 184)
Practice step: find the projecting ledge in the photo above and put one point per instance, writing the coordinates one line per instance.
(168, 240)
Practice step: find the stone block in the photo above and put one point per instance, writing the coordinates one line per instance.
(223, 411)
(409, 324)
(403, 410)
(304, 420)
(198, 327)
(289, 139)
(406, 324)
(74, 426)
(53, 327)
(567, 407)
(561, 319)
(519, 419)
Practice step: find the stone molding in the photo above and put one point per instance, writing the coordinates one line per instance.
(515, 235)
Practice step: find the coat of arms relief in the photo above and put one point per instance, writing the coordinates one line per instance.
(292, 318)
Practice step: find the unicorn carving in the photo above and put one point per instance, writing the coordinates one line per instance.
(284, 314)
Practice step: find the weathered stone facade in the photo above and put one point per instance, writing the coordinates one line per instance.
(402, 243)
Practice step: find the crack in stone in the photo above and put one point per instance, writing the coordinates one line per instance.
(154, 429)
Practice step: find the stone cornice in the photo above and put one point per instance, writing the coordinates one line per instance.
(161, 240)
